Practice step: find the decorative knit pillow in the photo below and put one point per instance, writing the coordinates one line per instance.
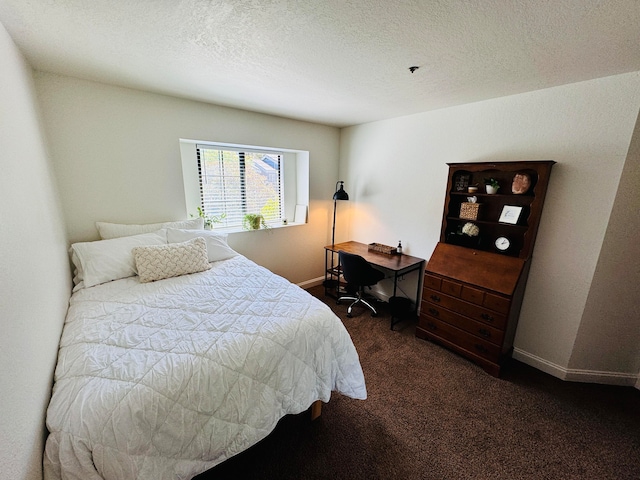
(164, 261)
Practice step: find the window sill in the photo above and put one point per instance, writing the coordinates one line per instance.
(227, 230)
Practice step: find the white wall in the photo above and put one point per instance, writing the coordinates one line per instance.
(395, 172)
(609, 336)
(116, 154)
(34, 278)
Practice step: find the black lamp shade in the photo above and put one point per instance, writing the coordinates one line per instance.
(340, 193)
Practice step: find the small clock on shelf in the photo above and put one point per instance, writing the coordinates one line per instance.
(502, 244)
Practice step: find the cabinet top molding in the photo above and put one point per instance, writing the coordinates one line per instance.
(486, 165)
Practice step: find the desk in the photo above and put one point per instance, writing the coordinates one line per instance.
(398, 264)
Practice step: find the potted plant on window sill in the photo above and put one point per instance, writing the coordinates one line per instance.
(209, 220)
(491, 185)
(253, 221)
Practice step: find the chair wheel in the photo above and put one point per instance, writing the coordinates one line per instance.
(374, 314)
(349, 315)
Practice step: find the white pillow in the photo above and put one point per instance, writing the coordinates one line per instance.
(217, 247)
(158, 262)
(106, 260)
(117, 230)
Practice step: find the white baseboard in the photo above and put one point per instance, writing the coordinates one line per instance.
(577, 375)
(314, 282)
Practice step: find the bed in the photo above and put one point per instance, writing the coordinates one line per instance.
(166, 378)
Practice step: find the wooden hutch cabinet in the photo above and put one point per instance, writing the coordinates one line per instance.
(474, 284)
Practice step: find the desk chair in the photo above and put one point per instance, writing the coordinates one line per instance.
(359, 274)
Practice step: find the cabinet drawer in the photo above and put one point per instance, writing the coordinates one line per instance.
(472, 295)
(468, 293)
(479, 329)
(461, 338)
(450, 288)
(486, 299)
(432, 282)
(476, 312)
(494, 302)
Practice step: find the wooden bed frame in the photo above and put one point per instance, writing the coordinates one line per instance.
(316, 409)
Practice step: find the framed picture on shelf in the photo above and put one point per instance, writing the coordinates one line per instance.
(510, 214)
(461, 182)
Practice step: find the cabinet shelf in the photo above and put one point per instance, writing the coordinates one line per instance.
(497, 195)
(487, 222)
(521, 234)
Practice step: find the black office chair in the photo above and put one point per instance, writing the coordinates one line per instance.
(358, 274)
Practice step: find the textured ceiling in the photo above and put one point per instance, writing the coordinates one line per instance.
(337, 62)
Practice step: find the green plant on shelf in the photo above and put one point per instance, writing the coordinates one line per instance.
(492, 182)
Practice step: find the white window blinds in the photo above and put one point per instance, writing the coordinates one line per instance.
(234, 183)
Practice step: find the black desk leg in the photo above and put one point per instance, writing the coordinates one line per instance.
(417, 299)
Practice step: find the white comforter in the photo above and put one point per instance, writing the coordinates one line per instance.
(167, 379)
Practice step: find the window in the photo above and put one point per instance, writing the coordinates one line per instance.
(234, 180)
(235, 183)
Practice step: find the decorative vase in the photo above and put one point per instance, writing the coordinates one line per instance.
(491, 189)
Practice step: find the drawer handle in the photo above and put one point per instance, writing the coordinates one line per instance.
(487, 317)
(434, 312)
(435, 298)
(481, 348)
(432, 326)
(485, 333)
